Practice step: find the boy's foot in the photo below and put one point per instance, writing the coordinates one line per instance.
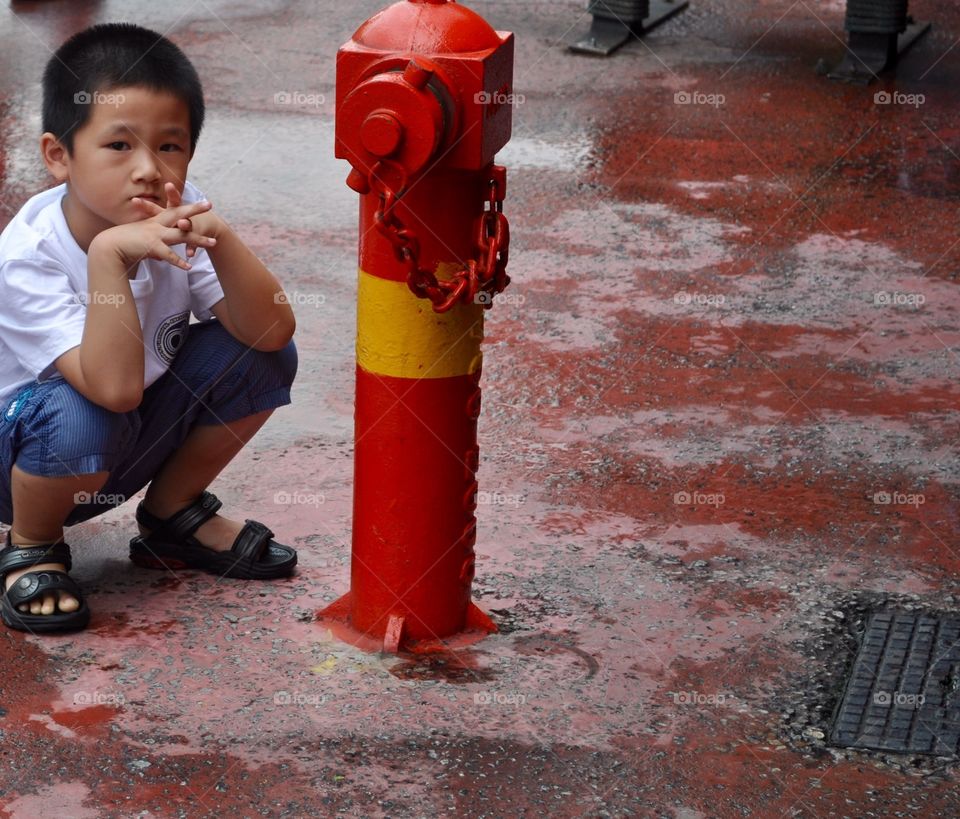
(38, 595)
(195, 537)
(218, 533)
(51, 603)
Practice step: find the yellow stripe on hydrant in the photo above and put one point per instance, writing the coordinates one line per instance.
(400, 335)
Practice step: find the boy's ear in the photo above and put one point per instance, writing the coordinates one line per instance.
(55, 156)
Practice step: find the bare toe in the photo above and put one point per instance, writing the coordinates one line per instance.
(69, 603)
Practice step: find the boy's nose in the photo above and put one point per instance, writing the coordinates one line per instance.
(147, 169)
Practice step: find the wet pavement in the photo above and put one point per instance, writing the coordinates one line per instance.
(719, 420)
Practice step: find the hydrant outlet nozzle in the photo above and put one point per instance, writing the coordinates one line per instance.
(381, 133)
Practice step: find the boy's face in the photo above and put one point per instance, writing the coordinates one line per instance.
(135, 141)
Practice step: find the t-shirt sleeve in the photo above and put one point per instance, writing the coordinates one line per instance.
(41, 314)
(205, 289)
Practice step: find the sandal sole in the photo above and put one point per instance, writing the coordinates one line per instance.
(156, 559)
(45, 623)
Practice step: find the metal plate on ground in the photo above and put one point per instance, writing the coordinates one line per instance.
(608, 33)
(903, 693)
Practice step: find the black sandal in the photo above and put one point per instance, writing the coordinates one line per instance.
(36, 584)
(171, 545)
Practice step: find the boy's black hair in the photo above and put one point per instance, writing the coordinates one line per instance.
(108, 56)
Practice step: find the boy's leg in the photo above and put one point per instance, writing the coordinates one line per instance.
(54, 445)
(40, 506)
(202, 412)
(58, 444)
(193, 467)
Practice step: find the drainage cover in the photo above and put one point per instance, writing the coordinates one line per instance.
(903, 694)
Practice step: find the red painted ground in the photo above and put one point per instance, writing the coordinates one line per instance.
(719, 300)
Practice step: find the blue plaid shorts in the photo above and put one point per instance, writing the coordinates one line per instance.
(50, 429)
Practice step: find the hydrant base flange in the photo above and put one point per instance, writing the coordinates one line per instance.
(336, 617)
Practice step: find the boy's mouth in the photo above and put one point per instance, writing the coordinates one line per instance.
(149, 197)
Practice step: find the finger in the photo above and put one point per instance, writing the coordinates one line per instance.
(184, 237)
(174, 199)
(163, 253)
(192, 209)
(150, 208)
(184, 224)
(176, 260)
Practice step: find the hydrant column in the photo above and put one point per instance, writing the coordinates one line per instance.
(419, 121)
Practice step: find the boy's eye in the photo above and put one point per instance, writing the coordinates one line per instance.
(170, 147)
(118, 146)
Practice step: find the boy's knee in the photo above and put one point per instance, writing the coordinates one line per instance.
(286, 361)
(76, 436)
(275, 368)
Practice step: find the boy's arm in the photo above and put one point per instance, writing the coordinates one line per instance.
(108, 366)
(252, 310)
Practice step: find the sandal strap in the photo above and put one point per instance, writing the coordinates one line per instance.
(252, 540)
(23, 557)
(184, 523)
(35, 584)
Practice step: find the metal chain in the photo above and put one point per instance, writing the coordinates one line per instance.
(481, 278)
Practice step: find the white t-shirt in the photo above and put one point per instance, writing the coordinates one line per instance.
(43, 295)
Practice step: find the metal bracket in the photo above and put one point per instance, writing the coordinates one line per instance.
(868, 53)
(607, 35)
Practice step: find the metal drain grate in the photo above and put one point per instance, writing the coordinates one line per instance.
(903, 694)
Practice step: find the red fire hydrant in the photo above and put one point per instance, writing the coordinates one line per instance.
(423, 105)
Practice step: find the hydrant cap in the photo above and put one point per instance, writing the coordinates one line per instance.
(427, 27)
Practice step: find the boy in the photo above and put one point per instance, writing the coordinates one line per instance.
(104, 385)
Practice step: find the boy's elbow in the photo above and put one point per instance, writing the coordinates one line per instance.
(278, 338)
(121, 401)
